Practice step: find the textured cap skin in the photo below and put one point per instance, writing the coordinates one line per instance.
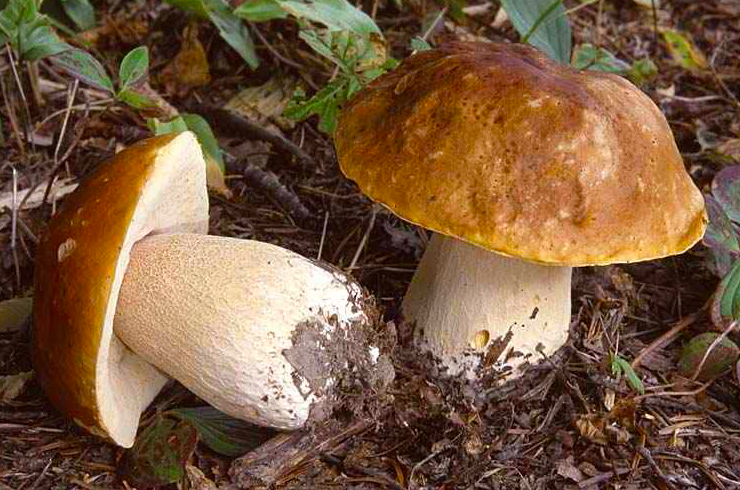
(499, 146)
(75, 279)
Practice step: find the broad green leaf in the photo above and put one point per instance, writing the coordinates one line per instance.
(338, 15)
(260, 10)
(589, 57)
(419, 44)
(683, 51)
(81, 12)
(729, 288)
(720, 234)
(719, 360)
(215, 168)
(642, 71)
(545, 23)
(726, 190)
(14, 313)
(159, 454)
(191, 6)
(134, 99)
(621, 366)
(176, 125)
(325, 103)
(232, 30)
(40, 42)
(85, 67)
(224, 434)
(204, 133)
(134, 67)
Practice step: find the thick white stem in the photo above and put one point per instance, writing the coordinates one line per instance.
(247, 326)
(469, 304)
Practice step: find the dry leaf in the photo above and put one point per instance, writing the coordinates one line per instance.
(684, 51)
(730, 149)
(265, 104)
(567, 469)
(14, 313)
(12, 385)
(198, 481)
(189, 68)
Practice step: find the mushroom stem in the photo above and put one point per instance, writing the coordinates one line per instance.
(469, 303)
(257, 331)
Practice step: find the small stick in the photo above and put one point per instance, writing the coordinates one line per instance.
(714, 344)
(13, 227)
(670, 335)
(323, 236)
(269, 183)
(70, 99)
(361, 246)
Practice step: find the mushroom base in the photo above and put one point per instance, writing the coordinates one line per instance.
(473, 307)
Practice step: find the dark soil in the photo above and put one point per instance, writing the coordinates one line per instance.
(568, 424)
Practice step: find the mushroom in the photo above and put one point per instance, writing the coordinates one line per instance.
(497, 148)
(129, 291)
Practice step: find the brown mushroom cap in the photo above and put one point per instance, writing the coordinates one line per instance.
(499, 146)
(153, 187)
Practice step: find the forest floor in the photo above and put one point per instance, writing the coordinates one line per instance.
(568, 424)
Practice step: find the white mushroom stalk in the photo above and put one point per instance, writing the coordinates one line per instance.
(254, 329)
(473, 307)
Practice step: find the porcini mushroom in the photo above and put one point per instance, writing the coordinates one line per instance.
(497, 148)
(130, 291)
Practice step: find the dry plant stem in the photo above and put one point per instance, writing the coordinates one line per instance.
(670, 335)
(714, 344)
(466, 300)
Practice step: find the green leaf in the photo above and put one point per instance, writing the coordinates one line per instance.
(419, 44)
(621, 366)
(191, 6)
(336, 15)
(642, 71)
(40, 42)
(81, 12)
(176, 125)
(325, 103)
(260, 10)
(683, 51)
(589, 57)
(726, 189)
(14, 313)
(134, 99)
(232, 30)
(722, 356)
(720, 235)
(204, 133)
(160, 452)
(84, 67)
(224, 434)
(134, 67)
(545, 23)
(729, 306)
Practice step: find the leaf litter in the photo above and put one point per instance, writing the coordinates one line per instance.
(569, 423)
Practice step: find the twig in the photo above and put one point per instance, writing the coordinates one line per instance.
(714, 344)
(71, 94)
(237, 126)
(361, 246)
(18, 82)
(12, 118)
(645, 453)
(669, 335)
(269, 183)
(328, 458)
(13, 227)
(323, 236)
(41, 475)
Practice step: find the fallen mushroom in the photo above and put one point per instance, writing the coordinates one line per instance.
(497, 148)
(130, 291)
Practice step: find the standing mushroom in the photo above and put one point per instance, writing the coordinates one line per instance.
(129, 291)
(497, 148)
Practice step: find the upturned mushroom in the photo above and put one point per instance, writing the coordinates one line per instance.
(523, 168)
(129, 291)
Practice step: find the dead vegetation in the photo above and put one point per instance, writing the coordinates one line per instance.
(568, 424)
